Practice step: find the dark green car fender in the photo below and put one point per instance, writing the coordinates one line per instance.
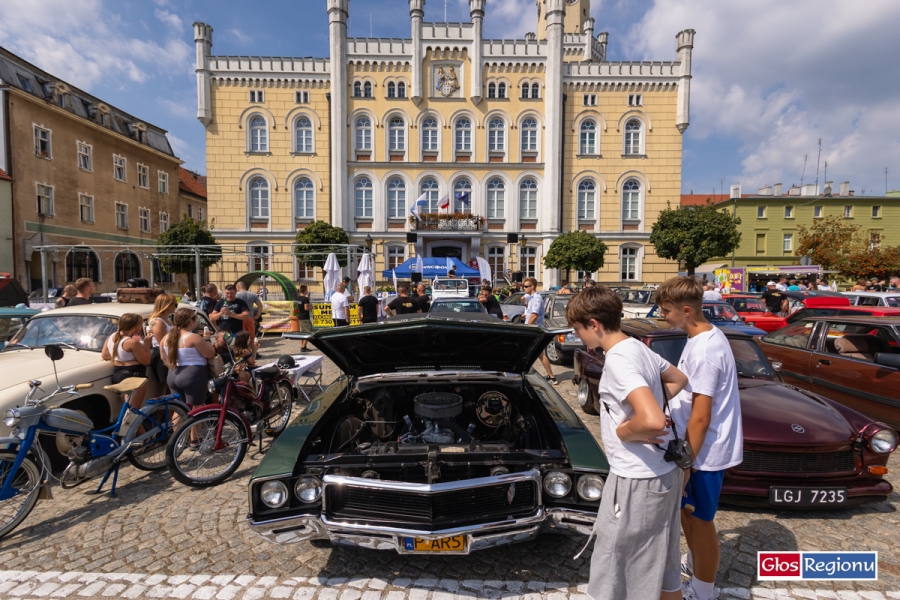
(282, 456)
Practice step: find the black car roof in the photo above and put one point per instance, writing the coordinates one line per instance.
(659, 328)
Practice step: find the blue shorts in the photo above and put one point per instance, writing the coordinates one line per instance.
(702, 493)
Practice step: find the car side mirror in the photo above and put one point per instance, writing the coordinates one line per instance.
(54, 353)
(776, 366)
(887, 359)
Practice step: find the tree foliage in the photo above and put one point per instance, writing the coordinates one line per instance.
(836, 244)
(576, 251)
(320, 232)
(175, 248)
(695, 234)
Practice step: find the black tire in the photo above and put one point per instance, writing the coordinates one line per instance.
(283, 394)
(152, 456)
(201, 466)
(27, 480)
(584, 397)
(553, 354)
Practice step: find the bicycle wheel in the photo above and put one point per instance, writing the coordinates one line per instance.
(283, 397)
(27, 482)
(191, 455)
(152, 455)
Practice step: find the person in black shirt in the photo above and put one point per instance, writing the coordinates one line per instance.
(230, 312)
(367, 307)
(403, 304)
(422, 298)
(210, 297)
(86, 288)
(303, 303)
(490, 302)
(774, 299)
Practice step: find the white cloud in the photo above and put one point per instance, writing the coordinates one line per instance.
(170, 19)
(240, 36)
(780, 75)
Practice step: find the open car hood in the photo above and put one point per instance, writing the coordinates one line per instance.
(434, 342)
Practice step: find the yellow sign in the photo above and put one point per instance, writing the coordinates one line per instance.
(321, 314)
(276, 316)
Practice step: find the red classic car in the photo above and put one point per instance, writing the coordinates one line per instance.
(754, 311)
(799, 447)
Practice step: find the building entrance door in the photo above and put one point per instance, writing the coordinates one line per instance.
(445, 251)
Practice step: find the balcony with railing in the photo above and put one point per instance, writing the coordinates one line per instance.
(447, 222)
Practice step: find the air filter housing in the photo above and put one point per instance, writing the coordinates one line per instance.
(438, 405)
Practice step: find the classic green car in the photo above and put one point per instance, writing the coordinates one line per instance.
(12, 320)
(439, 437)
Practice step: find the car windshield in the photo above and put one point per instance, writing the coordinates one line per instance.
(559, 306)
(750, 305)
(451, 284)
(471, 306)
(669, 348)
(637, 296)
(720, 312)
(748, 358)
(82, 331)
(8, 327)
(514, 298)
(892, 301)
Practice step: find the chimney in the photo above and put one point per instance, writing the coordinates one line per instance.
(809, 189)
(765, 191)
(829, 188)
(845, 188)
(777, 190)
(794, 191)
(735, 191)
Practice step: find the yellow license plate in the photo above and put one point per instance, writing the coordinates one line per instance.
(454, 544)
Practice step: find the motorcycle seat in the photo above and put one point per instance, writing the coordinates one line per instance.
(267, 372)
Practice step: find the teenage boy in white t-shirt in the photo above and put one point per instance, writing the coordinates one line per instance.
(636, 555)
(709, 412)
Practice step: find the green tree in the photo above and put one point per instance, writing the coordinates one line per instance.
(320, 232)
(175, 248)
(576, 251)
(830, 242)
(695, 234)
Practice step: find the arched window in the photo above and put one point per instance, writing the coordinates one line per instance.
(430, 189)
(259, 198)
(305, 198)
(501, 90)
(397, 134)
(357, 89)
(496, 135)
(391, 90)
(463, 135)
(367, 89)
(127, 266)
(363, 197)
(588, 138)
(396, 256)
(82, 262)
(259, 137)
(430, 135)
(587, 200)
(496, 259)
(535, 90)
(529, 135)
(631, 200)
(304, 131)
(492, 90)
(496, 198)
(633, 137)
(629, 266)
(363, 133)
(528, 199)
(401, 90)
(525, 88)
(462, 196)
(396, 198)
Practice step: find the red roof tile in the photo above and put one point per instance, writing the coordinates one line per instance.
(191, 182)
(700, 199)
(4, 176)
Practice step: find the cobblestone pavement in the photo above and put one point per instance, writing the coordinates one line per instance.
(158, 539)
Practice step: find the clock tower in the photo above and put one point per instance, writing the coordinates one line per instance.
(577, 12)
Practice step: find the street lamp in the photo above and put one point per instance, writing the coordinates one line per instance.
(369, 241)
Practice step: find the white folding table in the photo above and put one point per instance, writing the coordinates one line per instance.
(306, 373)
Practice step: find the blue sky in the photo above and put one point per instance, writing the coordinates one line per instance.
(770, 77)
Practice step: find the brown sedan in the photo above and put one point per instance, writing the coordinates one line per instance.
(852, 360)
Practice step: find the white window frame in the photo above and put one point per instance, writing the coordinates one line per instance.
(495, 200)
(121, 215)
(528, 263)
(848, 211)
(304, 137)
(431, 141)
(45, 202)
(199, 213)
(41, 140)
(502, 90)
(301, 97)
(259, 199)
(492, 91)
(528, 195)
(257, 96)
(528, 135)
(363, 198)
(761, 212)
(85, 156)
(635, 99)
(787, 242)
(308, 202)
(401, 89)
(587, 200)
(396, 198)
(397, 134)
(257, 136)
(589, 100)
(635, 201)
(876, 211)
(788, 212)
(497, 135)
(120, 167)
(630, 145)
(818, 211)
(462, 185)
(144, 219)
(85, 203)
(432, 194)
(462, 136)
(496, 257)
(259, 256)
(394, 256)
(391, 89)
(628, 253)
(305, 272)
(587, 138)
(143, 176)
(535, 91)
(363, 133)
(163, 222)
(162, 182)
(526, 90)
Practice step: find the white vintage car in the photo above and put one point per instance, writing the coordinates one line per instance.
(449, 287)
(86, 328)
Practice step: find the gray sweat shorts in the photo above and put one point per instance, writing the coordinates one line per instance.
(637, 553)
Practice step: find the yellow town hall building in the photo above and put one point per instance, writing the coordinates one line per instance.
(533, 136)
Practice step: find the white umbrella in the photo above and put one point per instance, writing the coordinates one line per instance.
(332, 274)
(394, 275)
(420, 265)
(484, 269)
(450, 264)
(364, 271)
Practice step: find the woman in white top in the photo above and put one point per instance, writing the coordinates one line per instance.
(129, 353)
(187, 354)
(160, 325)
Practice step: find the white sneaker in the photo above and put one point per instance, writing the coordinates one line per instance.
(687, 591)
(686, 568)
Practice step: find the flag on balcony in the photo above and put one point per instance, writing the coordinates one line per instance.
(463, 197)
(445, 202)
(421, 202)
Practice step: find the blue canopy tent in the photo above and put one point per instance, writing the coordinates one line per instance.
(434, 267)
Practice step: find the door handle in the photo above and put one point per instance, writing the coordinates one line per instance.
(824, 361)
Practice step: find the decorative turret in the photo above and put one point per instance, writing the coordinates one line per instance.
(684, 45)
(337, 29)
(416, 12)
(203, 40)
(603, 39)
(476, 12)
(588, 30)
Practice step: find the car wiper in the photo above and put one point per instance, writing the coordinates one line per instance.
(11, 344)
(742, 374)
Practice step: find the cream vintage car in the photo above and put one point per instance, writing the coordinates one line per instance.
(84, 328)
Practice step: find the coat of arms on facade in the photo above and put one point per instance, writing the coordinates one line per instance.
(446, 82)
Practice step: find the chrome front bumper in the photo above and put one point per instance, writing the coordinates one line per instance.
(479, 537)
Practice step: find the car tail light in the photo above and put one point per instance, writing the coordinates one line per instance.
(878, 470)
(561, 339)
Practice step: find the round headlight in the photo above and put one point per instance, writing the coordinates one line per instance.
(590, 487)
(12, 417)
(557, 484)
(308, 489)
(274, 494)
(882, 442)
